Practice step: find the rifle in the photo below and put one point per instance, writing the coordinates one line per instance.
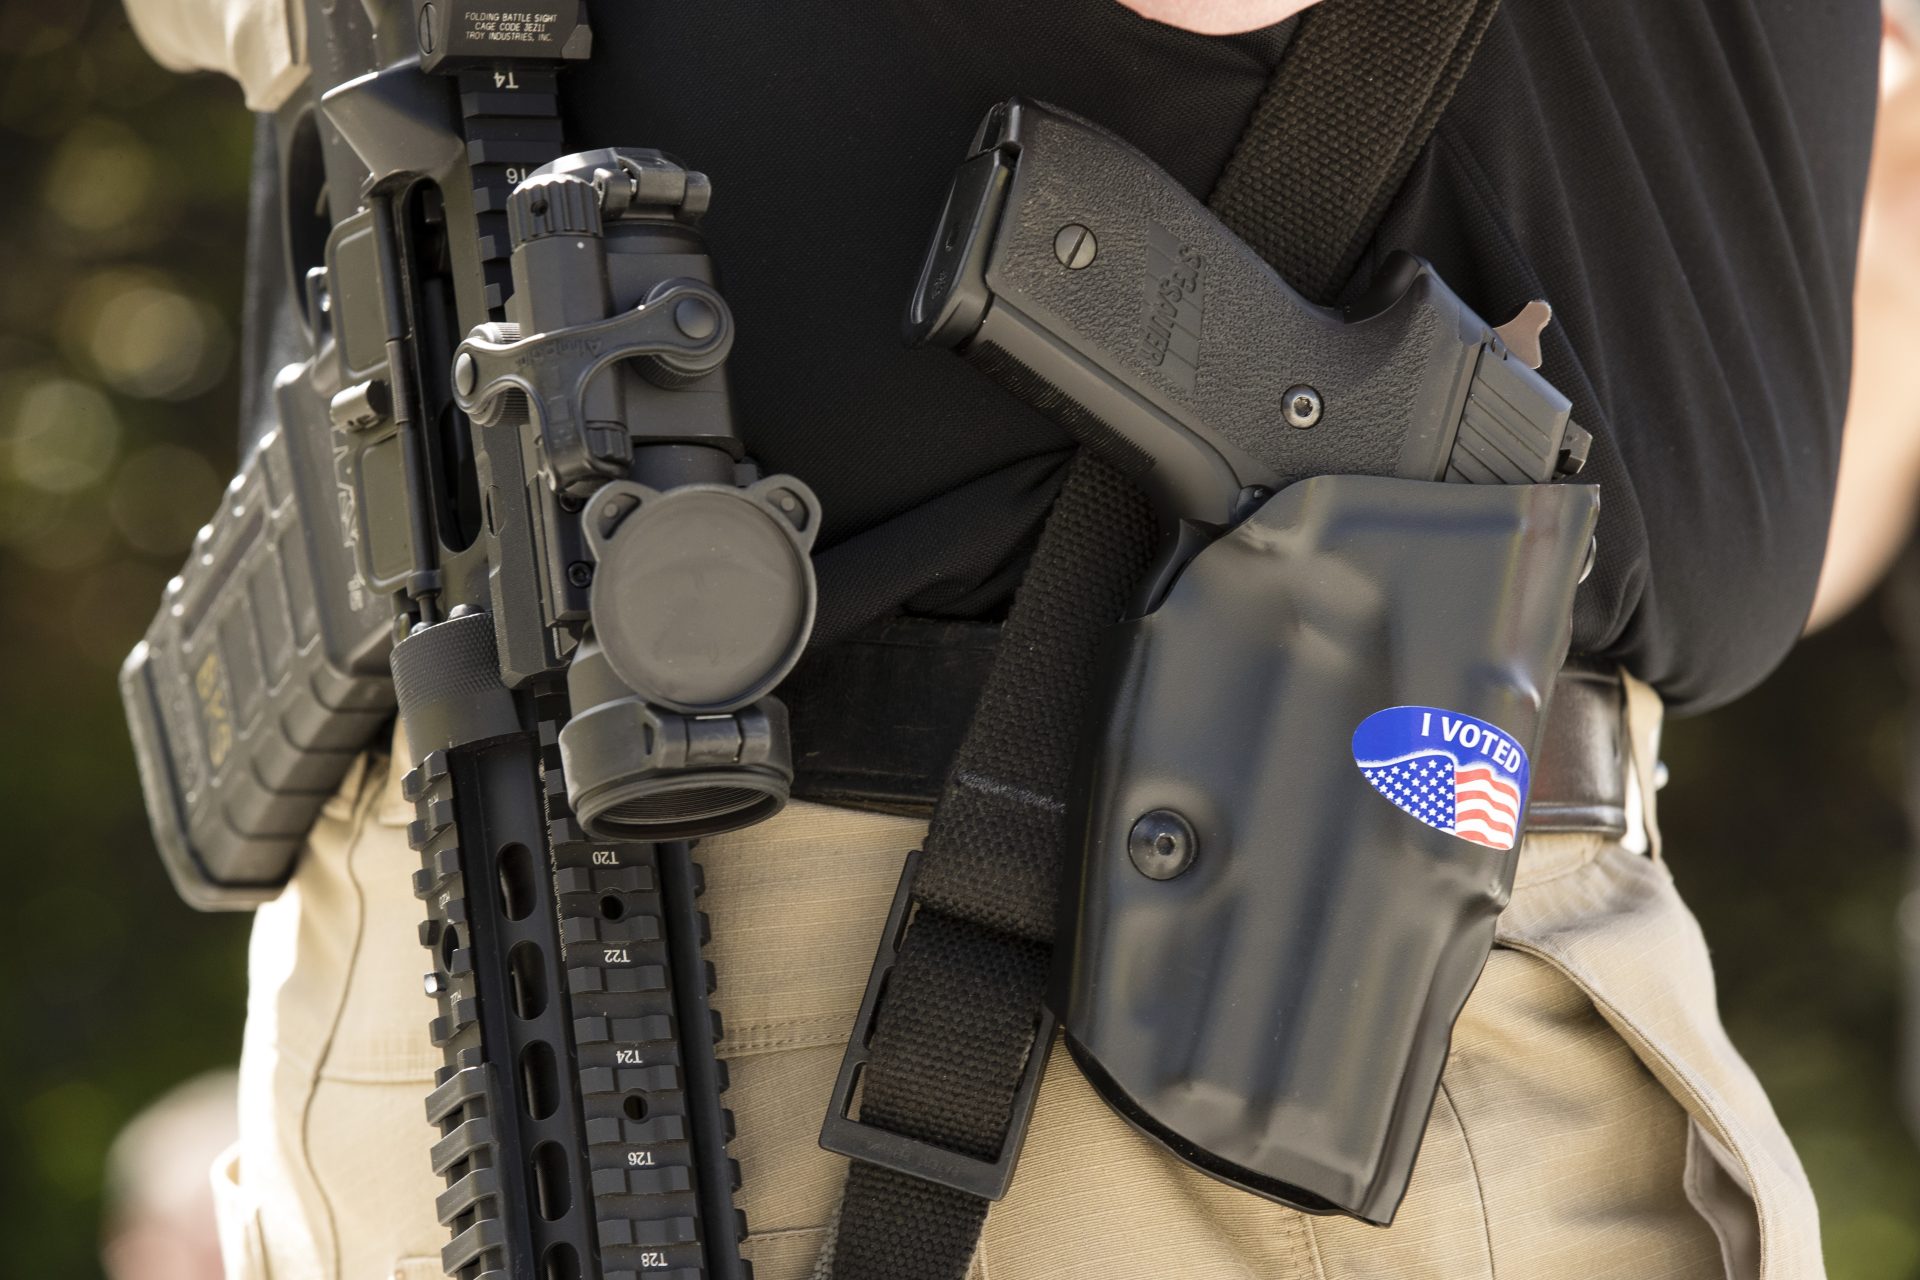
(505, 497)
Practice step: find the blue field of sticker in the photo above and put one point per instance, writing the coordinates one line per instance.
(1454, 772)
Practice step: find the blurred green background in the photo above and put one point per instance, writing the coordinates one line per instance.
(123, 228)
(121, 221)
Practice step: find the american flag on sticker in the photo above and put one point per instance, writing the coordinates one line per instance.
(1454, 772)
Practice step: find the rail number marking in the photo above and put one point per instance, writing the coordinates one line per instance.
(615, 955)
(639, 1159)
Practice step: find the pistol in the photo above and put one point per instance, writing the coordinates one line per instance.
(1071, 269)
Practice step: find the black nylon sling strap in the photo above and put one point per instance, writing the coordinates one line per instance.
(1338, 129)
(962, 1000)
(960, 1013)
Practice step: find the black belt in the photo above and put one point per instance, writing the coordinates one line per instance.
(878, 718)
(1580, 774)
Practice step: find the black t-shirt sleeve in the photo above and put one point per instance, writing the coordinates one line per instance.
(1682, 180)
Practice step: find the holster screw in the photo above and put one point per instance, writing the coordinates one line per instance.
(1162, 844)
(1304, 407)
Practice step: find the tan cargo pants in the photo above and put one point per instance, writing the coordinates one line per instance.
(1594, 1120)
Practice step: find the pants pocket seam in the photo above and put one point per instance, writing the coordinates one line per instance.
(1684, 1089)
(1473, 1166)
(1699, 1154)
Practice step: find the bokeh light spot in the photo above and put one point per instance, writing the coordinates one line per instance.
(101, 177)
(145, 337)
(63, 436)
(75, 536)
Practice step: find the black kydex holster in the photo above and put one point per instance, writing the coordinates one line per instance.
(1263, 957)
(1300, 798)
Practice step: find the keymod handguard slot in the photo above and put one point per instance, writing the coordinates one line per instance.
(1277, 1010)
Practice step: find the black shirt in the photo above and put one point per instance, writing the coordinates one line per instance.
(1681, 179)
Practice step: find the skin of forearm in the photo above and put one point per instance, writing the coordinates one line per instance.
(1873, 510)
(1879, 487)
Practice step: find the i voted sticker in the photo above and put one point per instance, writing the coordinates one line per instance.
(1451, 771)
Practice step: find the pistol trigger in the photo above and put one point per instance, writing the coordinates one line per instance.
(1522, 333)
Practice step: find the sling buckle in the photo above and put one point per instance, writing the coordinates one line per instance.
(844, 1135)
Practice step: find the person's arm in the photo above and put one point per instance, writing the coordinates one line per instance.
(260, 43)
(1879, 488)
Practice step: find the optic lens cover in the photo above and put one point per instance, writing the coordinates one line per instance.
(704, 595)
